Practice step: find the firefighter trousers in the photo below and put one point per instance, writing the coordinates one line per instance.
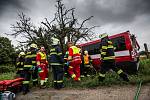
(27, 77)
(35, 76)
(20, 73)
(74, 70)
(82, 69)
(43, 74)
(58, 76)
(87, 69)
(106, 66)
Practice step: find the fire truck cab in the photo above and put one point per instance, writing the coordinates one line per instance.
(126, 51)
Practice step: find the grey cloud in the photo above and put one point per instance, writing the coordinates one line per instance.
(6, 4)
(112, 11)
(112, 15)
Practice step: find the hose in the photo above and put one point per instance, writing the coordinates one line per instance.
(138, 90)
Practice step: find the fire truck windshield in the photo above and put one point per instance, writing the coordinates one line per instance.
(119, 43)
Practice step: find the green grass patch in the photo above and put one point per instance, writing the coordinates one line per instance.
(6, 76)
(113, 79)
(91, 82)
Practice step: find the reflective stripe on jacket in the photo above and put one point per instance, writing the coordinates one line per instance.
(20, 62)
(41, 57)
(74, 52)
(86, 59)
(107, 49)
(30, 59)
(55, 57)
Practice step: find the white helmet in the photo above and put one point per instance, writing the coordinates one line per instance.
(55, 41)
(85, 52)
(21, 54)
(103, 35)
(33, 46)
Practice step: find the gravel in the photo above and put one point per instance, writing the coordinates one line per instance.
(100, 93)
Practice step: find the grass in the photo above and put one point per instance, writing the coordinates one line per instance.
(7, 68)
(91, 82)
(6, 76)
(113, 79)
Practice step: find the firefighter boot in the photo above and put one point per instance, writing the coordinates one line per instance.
(25, 89)
(101, 79)
(35, 83)
(60, 85)
(55, 85)
(124, 77)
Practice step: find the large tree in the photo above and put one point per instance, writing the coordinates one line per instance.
(7, 52)
(64, 26)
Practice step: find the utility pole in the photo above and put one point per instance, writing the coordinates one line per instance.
(146, 50)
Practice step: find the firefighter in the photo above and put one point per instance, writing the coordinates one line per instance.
(82, 65)
(74, 59)
(42, 63)
(56, 62)
(87, 63)
(108, 58)
(20, 64)
(30, 68)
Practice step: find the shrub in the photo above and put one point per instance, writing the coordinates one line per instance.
(7, 68)
(6, 76)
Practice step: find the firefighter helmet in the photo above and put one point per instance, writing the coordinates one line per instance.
(33, 46)
(103, 35)
(85, 52)
(21, 54)
(55, 41)
(42, 48)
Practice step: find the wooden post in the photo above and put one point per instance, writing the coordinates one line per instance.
(146, 50)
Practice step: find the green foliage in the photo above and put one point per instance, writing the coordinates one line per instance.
(7, 68)
(6, 76)
(7, 52)
(145, 67)
(113, 79)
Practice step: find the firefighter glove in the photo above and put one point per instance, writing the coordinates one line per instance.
(39, 69)
(67, 63)
(32, 68)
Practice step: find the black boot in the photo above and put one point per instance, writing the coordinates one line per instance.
(35, 83)
(25, 89)
(101, 79)
(25, 92)
(55, 85)
(124, 77)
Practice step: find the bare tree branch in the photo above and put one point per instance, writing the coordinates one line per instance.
(84, 22)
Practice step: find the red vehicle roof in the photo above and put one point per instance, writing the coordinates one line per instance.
(111, 37)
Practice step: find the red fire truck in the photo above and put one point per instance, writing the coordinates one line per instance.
(126, 51)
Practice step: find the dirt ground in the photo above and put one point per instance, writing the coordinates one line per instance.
(99, 93)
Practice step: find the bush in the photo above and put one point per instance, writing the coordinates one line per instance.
(6, 76)
(7, 68)
(144, 67)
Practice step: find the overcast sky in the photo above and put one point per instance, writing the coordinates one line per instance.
(114, 16)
